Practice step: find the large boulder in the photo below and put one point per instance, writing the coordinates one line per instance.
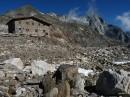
(16, 62)
(61, 90)
(47, 83)
(79, 85)
(40, 67)
(112, 83)
(20, 91)
(52, 93)
(66, 72)
(11, 71)
(75, 80)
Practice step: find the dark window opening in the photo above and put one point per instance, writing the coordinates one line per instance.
(27, 29)
(39, 24)
(19, 28)
(27, 23)
(46, 33)
(44, 30)
(36, 30)
(32, 23)
(19, 22)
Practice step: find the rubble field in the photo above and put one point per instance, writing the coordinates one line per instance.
(36, 67)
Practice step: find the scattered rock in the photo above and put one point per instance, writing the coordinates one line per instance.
(47, 83)
(92, 95)
(2, 74)
(20, 91)
(44, 80)
(27, 69)
(12, 90)
(4, 89)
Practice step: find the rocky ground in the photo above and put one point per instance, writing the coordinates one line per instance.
(42, 68)
(41, 79)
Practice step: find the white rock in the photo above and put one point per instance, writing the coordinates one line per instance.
(16, 62)
(27, 69)
(2, 74)
(20, 91)
(85, 72)
(41, 67)
(80, 83)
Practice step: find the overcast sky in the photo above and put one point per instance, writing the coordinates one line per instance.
(113, 11)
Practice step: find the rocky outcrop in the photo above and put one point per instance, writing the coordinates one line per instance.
(76, 82)
(97, 23)
(110, 31)
(116, 33)
(66, 72)
(112, 83)
(48, 83)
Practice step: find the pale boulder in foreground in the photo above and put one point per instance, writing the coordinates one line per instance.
(16, 62)
(40, 67)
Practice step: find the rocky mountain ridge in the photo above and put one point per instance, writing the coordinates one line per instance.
(98, 24)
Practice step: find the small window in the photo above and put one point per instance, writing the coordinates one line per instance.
(44, 30)
(27, 23)
(27, 29)
(39, 24)
(19, 22)
(46, 33)
(19, 28)
(36, 30)
(32, 23)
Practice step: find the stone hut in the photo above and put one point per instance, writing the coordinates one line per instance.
(3, 28)
(29, 25)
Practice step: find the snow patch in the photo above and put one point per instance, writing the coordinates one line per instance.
(121, 62)
(85, 72)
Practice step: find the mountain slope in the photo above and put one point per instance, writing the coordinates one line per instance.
(23, 11)
(96, 23)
